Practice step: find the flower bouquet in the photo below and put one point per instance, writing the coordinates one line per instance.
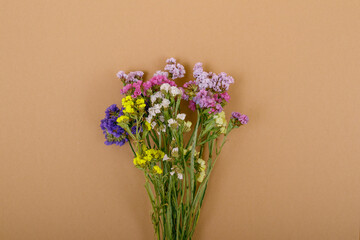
(176, 156)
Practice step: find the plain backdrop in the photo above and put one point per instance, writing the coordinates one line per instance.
(292, 173)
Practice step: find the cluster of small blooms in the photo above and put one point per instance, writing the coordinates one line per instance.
(132, 88)
(178, 172)
(239, 119)
(220, 121)
(148, 156)
(210, 80)
(157, 169)
(208, 91)
(157, 81)
(176, 70)
(131, 77)
(114, 134)
(161, 73)
(205, 99)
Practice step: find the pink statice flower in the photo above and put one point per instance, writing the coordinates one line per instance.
(133, 88)
(157, 81)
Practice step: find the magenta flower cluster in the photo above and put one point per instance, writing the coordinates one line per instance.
(134, 87)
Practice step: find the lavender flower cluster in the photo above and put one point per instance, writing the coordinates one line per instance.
(176, 70)
(208, 90)
(239, 119)
(114, 134)
(211, 81)
(132, 77)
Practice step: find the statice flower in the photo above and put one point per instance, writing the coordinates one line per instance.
(131, 77)
(208, 90)
(239, 119)
(165, 103)
(174, 91)
(221, 82)
(205, 99)
(161, 73)
(176, 70)
(114, 134)
(132, 88)
(157, 81)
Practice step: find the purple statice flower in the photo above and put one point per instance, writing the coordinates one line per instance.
(205, 99)
(157, 73)
(113, 110)
(240, 119)
(114, 134)
(222, 82)
(122, 75)
(176, 70)
(211, 81)
(198, 70)
(132, 77)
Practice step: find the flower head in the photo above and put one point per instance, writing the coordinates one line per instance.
(239, 119)
(157, 169)
(114, 134)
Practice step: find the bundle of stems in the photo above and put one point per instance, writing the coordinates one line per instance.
(175, 202)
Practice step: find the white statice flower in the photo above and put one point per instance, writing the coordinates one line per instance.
(165, 103)
(155, 109)
(156, 96)
(149, 118)
(180, 176)
(181, 116)
(165, 87)
(202, 164)
(153, 124)
(201, 176)
(174, 91)
(165, 158)
(175, 152)
(162, 118)
(172, 173)
(172, 123)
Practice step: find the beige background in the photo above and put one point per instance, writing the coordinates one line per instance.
(291, 173)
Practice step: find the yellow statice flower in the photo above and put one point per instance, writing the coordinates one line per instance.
(147, 125)
(122, 119)
(127, 103)
(157, 169)
(154, 154)
(140, 103)
(139, 161)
